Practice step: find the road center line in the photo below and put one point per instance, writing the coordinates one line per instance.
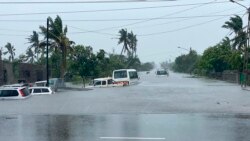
(131, 138)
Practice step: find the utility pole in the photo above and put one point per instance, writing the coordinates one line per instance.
(47, 54)
(1, 68)
(246, 55)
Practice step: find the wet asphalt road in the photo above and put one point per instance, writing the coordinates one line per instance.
(174, 108)
(165, 127)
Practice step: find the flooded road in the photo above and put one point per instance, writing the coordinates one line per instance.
(174, 108)
(178, 93)
(167, 127)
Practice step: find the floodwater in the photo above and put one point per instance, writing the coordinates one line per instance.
(168, 127)
(174, 108)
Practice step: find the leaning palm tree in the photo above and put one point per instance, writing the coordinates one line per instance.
(124, 39)
(132, 43)
(10, 50)
(39, 46)
(58, 40)
(236, 25)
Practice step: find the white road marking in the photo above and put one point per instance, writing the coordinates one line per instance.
(131, 138)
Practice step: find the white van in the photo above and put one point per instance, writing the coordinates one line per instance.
(125, 77)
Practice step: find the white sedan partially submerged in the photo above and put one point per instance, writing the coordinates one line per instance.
(40, 90)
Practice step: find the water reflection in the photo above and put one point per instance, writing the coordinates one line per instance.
(174, 127)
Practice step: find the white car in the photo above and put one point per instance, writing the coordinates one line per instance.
(40, 90)
(14, 93)
(102, 83)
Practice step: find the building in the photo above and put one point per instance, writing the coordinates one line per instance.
(13, 72)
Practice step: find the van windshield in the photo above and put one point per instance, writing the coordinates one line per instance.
(120, 74)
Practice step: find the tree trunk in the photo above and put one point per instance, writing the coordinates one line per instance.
(122, 50)
(83, 81)
(64, 61)
(42, 55)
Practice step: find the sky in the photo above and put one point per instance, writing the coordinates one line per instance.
(161, 26)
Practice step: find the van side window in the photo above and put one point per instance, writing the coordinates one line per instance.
(98, 83)
(120, 74)
(104, 83)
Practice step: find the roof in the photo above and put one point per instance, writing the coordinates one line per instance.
(13, 85)
(11, 88)
(41, 81)
(102, 79)
(125, 70)
(161, 70)
(38, 87)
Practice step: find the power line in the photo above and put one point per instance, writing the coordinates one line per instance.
(97, 32)
(182, 20)
(110, 10)
(79, 2)
(174, 13)
(183, 28)
(103, 33)
(85, 30)
(129, 19)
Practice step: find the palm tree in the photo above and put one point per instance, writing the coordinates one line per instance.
(11, 51)
(124, 39)
(59, 40)
(39, 47)
(30, 55)
(236, 25)
(132, 43)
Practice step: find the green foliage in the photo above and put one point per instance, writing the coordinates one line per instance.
(58, 40)
(219, 58)
(226, 55)
(235, 24)
(72, 62)
(147, 66)
(22, 58)
(15, 68)
(83, 62)
(55, 62)
(186, 63)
